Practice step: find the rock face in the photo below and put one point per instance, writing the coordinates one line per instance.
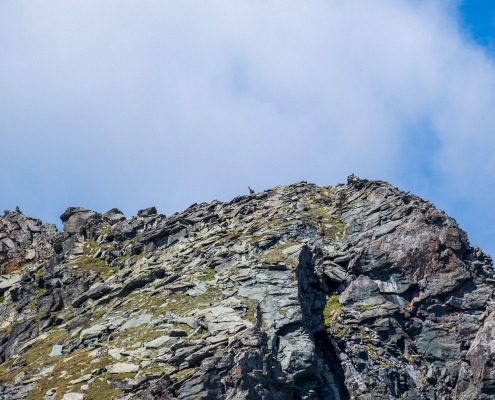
(357, 291)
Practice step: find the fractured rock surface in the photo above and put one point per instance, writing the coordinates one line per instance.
(356, 291)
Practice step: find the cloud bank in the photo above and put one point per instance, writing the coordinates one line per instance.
(130, 104)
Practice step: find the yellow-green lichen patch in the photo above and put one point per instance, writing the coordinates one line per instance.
(279, 255)
(333, 307)
(331, 317)
(39, 273)
(182, 303)
(328, 225)
(119, 377)
(99, 389)
(322, 197)
(413, 359)
(266, 226)
(363, 307)
(251, 311)
(106, 229)
(90, 247)
(85, 264)
(131, 302)
(137, 257)
(77, 364)
(134, 335)
(34, 357)
(337, 329)
(182, 375)
(207, 274)
(369, 342)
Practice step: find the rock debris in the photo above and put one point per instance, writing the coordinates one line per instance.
(355, 291)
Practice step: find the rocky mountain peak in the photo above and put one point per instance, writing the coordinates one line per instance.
(355, 291)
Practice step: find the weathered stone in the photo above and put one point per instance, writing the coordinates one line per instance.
(121, 368)
(362, 291)
(113, 216)
(83, 378)
(336, 273)
(138, 321)
(115, 353)
(73, 396)
(56, 350)
(76, 218)
(94, 292)
(353, 291)
(147, 212)
(159, 342)
(6, 282)
(93, 331)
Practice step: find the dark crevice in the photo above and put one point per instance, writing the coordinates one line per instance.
(330, 358)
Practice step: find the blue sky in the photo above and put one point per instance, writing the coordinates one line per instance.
(477, 17)
(129, 104)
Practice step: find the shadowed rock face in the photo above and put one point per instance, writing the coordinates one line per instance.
(300, 292)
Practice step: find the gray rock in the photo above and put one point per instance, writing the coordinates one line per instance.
(94, 292)
(159, 342)
(121, 368)
(6, 282)
(83, 378)
(94, 331)
(73, 396)
(147, 212)
(336, 273)
(56, 350)
(76, 218)
(113, 216)
(353, 291)
(143, 319)
(362, 291)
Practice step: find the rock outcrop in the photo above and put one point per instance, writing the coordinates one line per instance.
(356, 291)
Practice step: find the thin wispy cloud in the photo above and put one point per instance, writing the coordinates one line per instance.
(127, 104)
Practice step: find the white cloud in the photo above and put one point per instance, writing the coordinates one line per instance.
(125, 103)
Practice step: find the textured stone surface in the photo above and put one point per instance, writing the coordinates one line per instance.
(121, 368)
(300, 292)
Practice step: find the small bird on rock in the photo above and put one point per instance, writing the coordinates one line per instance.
(251, 190)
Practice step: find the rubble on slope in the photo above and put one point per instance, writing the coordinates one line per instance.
(356, 291)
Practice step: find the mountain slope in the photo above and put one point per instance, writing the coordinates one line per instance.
(300, 292)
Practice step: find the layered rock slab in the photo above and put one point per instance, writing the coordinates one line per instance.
(352, 291)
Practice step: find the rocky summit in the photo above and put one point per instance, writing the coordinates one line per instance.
(355, 291)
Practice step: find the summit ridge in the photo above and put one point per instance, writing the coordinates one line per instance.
(353, 291)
